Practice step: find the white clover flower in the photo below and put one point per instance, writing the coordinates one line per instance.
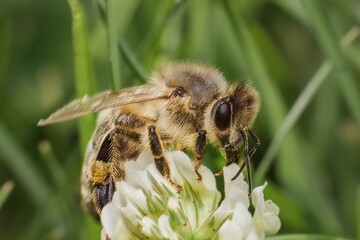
(147, 206)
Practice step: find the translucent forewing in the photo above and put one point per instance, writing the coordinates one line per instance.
(106, 100)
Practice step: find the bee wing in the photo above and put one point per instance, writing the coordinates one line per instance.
(106, 100)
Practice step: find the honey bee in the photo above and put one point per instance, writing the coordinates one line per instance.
(184, 104)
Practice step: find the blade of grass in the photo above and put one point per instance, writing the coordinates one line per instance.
(63, 196)
(329, 44)
(298, 108)
(131, 59)
(126, 52)
(22, 167)
(157, 28)
(291, 118)
(41, 221)
(55, 169)
(196, 44)
(113, 40)
(83, 69)
(54, 214)
(352, 51)
(5, 191)
(294, 9)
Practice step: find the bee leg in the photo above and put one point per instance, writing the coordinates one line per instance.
(249, 155)
(257, 143)
(103, 184)
(200, 151)
(161, 162)
(246, 163)
(232, 156)
(102, 195)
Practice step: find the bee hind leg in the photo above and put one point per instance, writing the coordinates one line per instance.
(103, 178)
(102, 195)
(161, 162)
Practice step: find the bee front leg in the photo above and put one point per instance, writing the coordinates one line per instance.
(257, 143)
(200, 151)
(246, 162)
(161, 162)
(232, 156)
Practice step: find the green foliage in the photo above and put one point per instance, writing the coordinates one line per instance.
(302, 56)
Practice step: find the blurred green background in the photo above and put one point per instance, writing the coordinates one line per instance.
(303, 57)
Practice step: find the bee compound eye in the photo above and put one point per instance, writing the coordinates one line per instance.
(223, 116)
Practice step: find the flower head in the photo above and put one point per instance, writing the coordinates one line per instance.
(147, 206)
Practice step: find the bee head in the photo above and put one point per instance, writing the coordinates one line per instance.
(234, 112)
